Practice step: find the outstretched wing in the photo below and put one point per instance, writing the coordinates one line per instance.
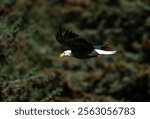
(74, 42)
(63, 38)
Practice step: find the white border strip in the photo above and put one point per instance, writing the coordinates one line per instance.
(74, 110)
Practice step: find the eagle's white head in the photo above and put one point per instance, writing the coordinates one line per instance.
(66, 53)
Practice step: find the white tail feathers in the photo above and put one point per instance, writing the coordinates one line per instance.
(104, 52)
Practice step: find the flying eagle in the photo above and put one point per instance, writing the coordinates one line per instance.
(79, 47)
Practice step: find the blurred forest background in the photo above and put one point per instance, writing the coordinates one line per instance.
(30, 67)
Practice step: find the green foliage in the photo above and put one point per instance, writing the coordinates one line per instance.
(30, 67)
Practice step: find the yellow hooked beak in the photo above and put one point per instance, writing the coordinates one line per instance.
(62, 55)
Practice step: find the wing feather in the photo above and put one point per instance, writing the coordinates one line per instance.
(74, 42)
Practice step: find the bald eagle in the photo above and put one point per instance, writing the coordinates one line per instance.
(79, 47)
